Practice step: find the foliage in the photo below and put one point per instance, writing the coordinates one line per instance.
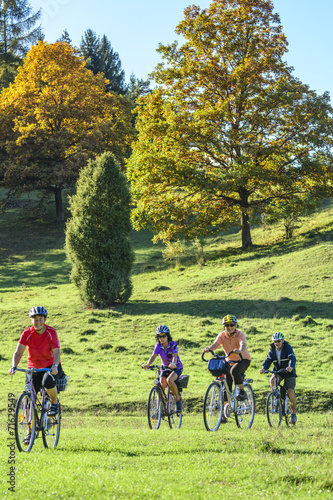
(290, 212)
(55, 116)
(97, 235)
(101, 58)
(229, 129)
(17, 33)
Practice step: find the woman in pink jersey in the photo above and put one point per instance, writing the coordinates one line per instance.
(43, 352)
(232, 339)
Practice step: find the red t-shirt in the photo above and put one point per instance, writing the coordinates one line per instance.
(40, 347)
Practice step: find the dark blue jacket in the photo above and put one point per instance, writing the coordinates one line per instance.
(288, 358)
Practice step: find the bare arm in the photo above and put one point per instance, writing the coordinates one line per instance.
(56, 360)
(20, 348)
(150, 361)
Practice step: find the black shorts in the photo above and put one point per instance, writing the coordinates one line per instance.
(45, 379)
(166, 372)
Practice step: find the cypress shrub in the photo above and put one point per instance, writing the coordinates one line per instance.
(97, 235)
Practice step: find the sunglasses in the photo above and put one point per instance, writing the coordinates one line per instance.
(162, 336)
(277, 341)
(227, 325)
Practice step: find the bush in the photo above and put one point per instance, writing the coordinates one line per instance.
(97, 235)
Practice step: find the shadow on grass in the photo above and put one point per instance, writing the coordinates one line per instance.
(284, 307)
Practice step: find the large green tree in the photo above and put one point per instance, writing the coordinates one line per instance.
(101, 58)
(97, 235)
(229, 129)
(55, 117)
(18, 32)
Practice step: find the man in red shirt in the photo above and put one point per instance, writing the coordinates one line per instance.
(43, 352)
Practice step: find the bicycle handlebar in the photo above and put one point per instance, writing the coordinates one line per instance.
(31, 370)
(282, 370)
(221, 357)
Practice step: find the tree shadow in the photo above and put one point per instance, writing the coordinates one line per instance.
(283, 308)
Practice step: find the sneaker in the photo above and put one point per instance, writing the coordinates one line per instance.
(53, 411)
(293, 418)
(241, 395)
(26, 439)
(179, 405)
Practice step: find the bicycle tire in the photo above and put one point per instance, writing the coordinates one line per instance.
(246, 409)
(274, 409)
(154, 408)
(288, 412)
(23, 424)
(213, 407)
(174, 417)
(50, 427)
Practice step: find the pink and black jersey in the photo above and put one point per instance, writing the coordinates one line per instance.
(167, 354)
(40, 347)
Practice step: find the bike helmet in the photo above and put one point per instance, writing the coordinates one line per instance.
(37, 311)
(277, 336)
(229, 318)
(162, 329)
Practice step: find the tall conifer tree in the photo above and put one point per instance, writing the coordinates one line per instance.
(18, 32)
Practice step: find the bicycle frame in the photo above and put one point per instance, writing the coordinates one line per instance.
(217, 409)
(276, 404)
(37, 419)
(166, 401)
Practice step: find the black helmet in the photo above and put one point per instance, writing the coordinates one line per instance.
(37, 311)
(162, 329)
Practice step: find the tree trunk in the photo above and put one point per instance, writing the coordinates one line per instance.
(246, 232)
(59, 205)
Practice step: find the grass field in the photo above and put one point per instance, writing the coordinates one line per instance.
(118, 457)
(105, 442)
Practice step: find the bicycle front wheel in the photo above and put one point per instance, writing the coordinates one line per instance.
(154, 408)
(175, 417)
(50, 427)
(288, 412)
(25, 422)
(245, 409)
(213, 407)
(274, 409)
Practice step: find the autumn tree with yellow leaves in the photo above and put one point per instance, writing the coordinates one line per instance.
(229, 130)
(55, 116)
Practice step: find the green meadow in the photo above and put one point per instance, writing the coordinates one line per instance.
(106, 449)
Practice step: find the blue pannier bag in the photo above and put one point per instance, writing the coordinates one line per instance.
(218, 367)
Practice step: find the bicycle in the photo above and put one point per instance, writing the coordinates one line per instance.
(31, 414)
(215, 407)
(161, 404)
(278, 405)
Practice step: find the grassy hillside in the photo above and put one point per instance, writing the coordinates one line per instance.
(278, 286)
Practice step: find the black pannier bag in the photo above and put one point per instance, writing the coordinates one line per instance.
(218, 367)
(183, 381)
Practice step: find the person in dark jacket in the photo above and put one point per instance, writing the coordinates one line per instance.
(282, 356)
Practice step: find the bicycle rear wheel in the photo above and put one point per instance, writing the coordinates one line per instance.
(245, 409)
(154, 408)
(175, 418)
(288, 412)
(50, 426)
(213, 407)
(25, 422)
(274, 409)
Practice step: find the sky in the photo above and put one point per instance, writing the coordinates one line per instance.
(135, 29)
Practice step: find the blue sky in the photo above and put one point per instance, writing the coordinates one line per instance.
(135, 28)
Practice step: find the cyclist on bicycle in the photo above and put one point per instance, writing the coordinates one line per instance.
(282, 356)
(43, 352)
(172, 367)
(232, 339)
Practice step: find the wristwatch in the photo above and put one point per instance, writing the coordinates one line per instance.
(55, 365)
